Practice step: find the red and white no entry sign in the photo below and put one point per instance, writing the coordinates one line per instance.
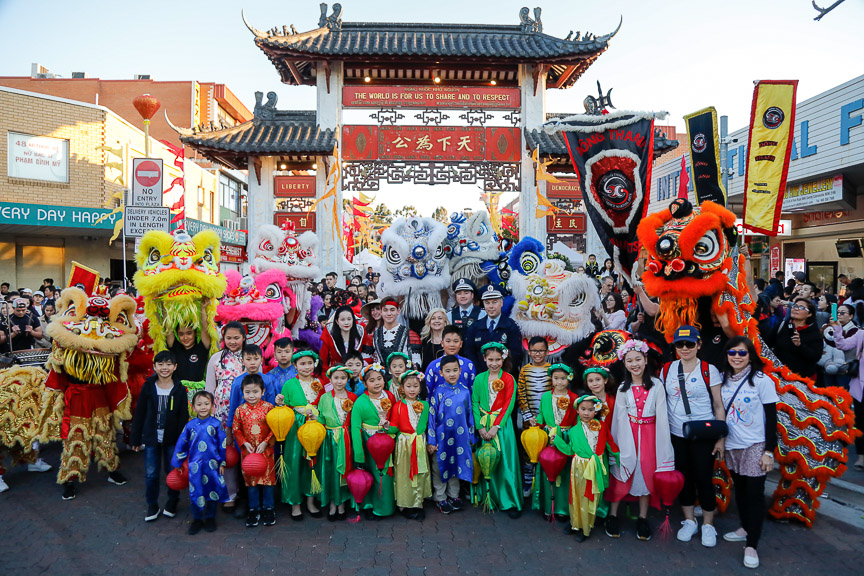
(148, 173)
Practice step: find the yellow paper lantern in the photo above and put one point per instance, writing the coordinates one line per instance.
(311, 436)
(280, 419)
(534, 439)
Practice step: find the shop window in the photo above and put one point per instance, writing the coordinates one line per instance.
(33, 263)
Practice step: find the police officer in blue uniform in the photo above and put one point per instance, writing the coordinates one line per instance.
(493, 328)
(465, 312)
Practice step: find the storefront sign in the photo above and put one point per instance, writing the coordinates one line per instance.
(431, 143)
(820, 191)
(294, 187)
(821, 218)
(567, 188)
(783, 229)
(12, 213)
(226, 236)
(490, 98)
(37, 157)
(775, 260)
(301, 220)
(142, 219)
(566, 224)
(233, 254)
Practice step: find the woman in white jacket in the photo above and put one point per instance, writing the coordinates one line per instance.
(640, 428)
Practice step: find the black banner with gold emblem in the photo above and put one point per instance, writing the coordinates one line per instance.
(705, 156)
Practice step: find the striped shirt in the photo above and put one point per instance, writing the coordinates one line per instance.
(533, 382)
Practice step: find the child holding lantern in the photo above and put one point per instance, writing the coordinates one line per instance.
(253, 435)
(411, 418)
(301, 394)
(590, 445)
(334, 412)
(493, 398)
(556, 415)
(370, 417)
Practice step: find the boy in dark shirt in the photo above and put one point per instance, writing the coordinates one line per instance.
(192, 354)
(160, 415)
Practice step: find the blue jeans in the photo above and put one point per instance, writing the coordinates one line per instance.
(260, 496)
(154, 458)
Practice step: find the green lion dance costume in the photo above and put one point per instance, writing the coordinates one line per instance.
(176, 272)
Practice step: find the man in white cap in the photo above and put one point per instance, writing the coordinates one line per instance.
(494, 328)
(465, 312)
(24, 325)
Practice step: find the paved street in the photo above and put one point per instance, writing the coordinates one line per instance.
(103, 532)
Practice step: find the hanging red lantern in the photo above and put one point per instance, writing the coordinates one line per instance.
(146, 105)
(381, 447)
(254, 464)
(178, 479)
(552, 461)
(232, 457)
(359, 482)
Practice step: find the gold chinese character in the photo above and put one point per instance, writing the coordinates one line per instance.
(401, 142)
(303, 221)
(572, 222)
(557, 222)
(463, 144)
(445, 141)
(423, 143)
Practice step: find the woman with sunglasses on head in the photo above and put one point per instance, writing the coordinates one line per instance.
(798, 343)
(849, 340)
(693, 394)
(750, 401)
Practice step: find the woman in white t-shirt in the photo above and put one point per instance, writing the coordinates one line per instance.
(750, 399)
(687, 382)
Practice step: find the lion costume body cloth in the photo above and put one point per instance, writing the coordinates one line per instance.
(693, 257)
(176, 272)
(89, 365)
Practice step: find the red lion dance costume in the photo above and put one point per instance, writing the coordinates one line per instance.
(89, 364)
(693, 257)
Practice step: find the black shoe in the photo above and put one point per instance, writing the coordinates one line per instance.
(253, 518)
(317, 514)
(117, 478)
(369, 514)
(580, 535)
(514, 513)
(643, 531)
(457, 504)
(298, 517)
(152, 512)
(195, 527)
(268, 517)
(239, 509)
(562, 518)
(170, 509)
(210, 525)
(69, 491)
(332, 517)
(611, 527)
(445, 507)
(421, 515)
(567, 529)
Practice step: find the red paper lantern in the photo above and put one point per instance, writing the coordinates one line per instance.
(381, 447)
(232, 457)
(178, 479)
(146, 105)
(254, 464)
(552, 461)
(359, 482)
(668, 485)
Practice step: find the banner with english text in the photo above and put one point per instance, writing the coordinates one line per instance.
(705, 156)
(769, 146)
(612, 155)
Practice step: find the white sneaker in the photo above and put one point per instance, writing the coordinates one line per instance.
(735, 536)
(3, 486)
(751, 561)
(709, 536)
(39, 466)
(687, 530)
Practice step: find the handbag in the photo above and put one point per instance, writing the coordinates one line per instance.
(700, 429)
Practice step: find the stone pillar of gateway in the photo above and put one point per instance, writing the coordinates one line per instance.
(482, 86)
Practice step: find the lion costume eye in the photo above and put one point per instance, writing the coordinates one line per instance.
(578, 301)
(208, 256)
(273, 292)
(393, 256)
(154, 256)
(266, 246)
(529, 262)
(483, 229)
(707, 248)
(440, 252)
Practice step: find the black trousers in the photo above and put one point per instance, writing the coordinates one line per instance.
(859, 424)
(694, 460)
(750, 500)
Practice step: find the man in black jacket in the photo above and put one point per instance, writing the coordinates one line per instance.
(160, 416)
(494, 327)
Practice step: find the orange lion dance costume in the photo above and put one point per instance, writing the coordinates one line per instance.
(693, 261)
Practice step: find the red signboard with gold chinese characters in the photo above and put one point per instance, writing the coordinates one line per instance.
(567, 188)
(566, 223)
(431, 143)
(231, 253)
(294, 187)
(301, 220)
(473, 97)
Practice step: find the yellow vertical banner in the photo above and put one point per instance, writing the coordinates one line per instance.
(772, 125)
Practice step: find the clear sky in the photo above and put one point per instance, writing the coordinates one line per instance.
(673, 55)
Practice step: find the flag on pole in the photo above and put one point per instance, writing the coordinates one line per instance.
(683, 180)
(769, 146)
(705, 156)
